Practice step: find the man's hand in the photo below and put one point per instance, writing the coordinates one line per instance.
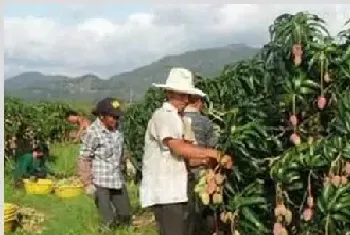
(90, 190)
(226, 162)
(198, 162)
(205, 162)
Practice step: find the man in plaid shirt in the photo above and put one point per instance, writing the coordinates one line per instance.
(100, 164)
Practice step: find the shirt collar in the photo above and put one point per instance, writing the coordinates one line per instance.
(100, 125)
(169, 107)
(190, 109)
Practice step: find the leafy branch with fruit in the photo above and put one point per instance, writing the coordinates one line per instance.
(284, 115)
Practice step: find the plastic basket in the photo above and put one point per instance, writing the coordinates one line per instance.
(9, 208)
(10, 216)
(69, 191)
(8, 225)
(42, 186)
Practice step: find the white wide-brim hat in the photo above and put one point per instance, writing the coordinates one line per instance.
(181, 80)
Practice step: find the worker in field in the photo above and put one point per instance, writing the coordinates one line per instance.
(200, 221)
(32, 164)
(74, 118)
(100, 165)
(164, 172)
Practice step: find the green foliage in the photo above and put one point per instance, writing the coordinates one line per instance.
(334, 208)
(43, 120)
(250, 104)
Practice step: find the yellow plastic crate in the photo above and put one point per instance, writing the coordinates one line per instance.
(42, 186)
(9, 208)
(69, 191)
(8, 225)
(10, 216)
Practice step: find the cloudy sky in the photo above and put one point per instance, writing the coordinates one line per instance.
(109, 39)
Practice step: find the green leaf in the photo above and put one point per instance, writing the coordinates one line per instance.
(253, 219)
(247, 201)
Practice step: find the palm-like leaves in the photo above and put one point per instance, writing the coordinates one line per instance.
(300, 28)
(334, 205)
(341, 124)
(323, 50)
(345, 63)
(250, 206)
(346, 32)
(297, 87)
(273, 55)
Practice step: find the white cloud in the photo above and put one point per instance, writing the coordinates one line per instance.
(99, 26)
(106, 47)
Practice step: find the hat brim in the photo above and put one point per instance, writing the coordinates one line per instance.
(189, 91)
(112, 113)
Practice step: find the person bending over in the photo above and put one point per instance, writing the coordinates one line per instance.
(74, 118)
(32, 164)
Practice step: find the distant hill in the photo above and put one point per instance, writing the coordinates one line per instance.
(89, 88)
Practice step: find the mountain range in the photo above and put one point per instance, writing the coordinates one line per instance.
(128, 85)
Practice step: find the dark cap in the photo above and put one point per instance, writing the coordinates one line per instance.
(108, 106)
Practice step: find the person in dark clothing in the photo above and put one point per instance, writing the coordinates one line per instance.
(32, 165)
(200, 221)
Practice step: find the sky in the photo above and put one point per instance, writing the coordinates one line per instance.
(107, 39)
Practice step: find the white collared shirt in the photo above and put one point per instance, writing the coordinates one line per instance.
(164, 175)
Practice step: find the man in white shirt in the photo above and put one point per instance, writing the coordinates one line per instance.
(164, 171)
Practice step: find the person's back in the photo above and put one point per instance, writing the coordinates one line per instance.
(76, 119)
(202, 128)
(32, 164)
(199, 220)
(203, 131)
(23, 166)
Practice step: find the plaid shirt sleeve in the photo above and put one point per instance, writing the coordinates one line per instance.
(86, 154)
(89, 145)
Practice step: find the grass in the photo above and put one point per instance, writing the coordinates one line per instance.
(74, 216)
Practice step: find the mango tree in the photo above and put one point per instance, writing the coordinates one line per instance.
(284, 117)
